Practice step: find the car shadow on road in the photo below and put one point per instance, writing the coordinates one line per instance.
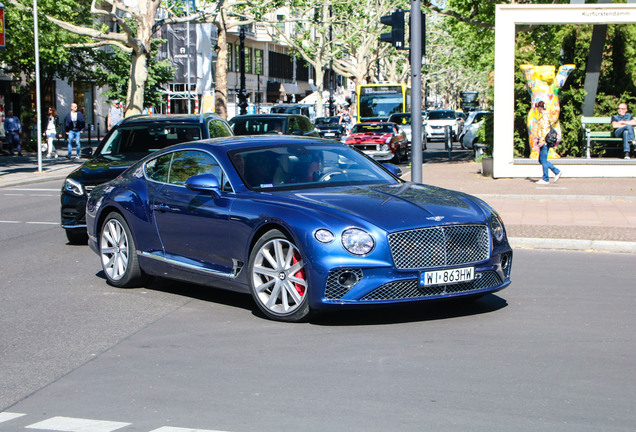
(367, 315)
(413, 312)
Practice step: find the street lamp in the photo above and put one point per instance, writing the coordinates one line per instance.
(242, 92)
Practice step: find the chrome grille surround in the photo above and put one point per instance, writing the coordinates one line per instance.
(410, 288)
(440, 246)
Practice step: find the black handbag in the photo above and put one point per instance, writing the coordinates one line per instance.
(551, 138)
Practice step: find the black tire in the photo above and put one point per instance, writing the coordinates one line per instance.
(77, 236)
(118, 253)
(278, 279)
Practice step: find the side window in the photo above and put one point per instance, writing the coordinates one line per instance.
(293, 125)
(306, 125)
(186, 164)
(114, 142)
(157, 169)
(218, 128)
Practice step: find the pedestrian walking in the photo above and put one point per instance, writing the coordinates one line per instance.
(544, 126)
(51, 132)
(13, 129)
(115, 115)
(74, 125)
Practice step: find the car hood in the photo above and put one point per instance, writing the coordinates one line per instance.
(441, 122)
(395, 207)
(100, 169)
(363, 136)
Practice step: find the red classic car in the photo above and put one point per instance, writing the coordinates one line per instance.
(381, 141)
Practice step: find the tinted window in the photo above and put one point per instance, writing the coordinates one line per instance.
(441, 115)
(306, 124)
(251, 126)
(217, 128)
(403, 119)
(383, 128)
(186, 164)
(141, 140)
(157, 169)
(297, 166)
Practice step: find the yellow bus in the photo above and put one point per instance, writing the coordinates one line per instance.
(376, 102)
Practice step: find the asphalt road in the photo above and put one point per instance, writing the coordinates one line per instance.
(554, 351)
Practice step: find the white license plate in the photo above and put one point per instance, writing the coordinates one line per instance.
(330, 134)
(443, 277)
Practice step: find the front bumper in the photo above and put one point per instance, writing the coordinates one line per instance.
(73, 211)
(377, 286)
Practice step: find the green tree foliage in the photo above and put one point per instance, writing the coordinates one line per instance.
(112, 69)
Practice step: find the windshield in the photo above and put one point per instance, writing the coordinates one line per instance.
(258, 125)
(139, 141)
(441, 115)
(292, 167)
(375, 128)
(479, 117)
(327, 121)
(401, 119)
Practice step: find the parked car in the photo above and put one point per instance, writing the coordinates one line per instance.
(474, 117)
(403, 120)
(476, 122)
(330, 127)
(303, 224)
(283, 124)
(380, 140)
(302, 109)
(133, 138)
(437, 120)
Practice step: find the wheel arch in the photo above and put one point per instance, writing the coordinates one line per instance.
(267, 227)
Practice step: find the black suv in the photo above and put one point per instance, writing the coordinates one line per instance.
(133, 138)
(284, 124)
(330, 127)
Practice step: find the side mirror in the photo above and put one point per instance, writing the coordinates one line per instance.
(298, 132)
(393, 169)
(86, 152)
(204, 183)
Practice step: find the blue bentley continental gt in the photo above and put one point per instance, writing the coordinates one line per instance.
(303, 224)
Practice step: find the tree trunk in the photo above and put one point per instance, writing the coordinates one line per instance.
(137, 83)
(221, 75)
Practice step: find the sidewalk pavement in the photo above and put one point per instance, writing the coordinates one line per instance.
(591, 214)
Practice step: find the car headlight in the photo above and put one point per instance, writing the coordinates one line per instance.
(357, 241)
(385, 147)
(324, 236)
(496, 226)
(74, 187)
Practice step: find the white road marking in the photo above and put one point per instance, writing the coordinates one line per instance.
(32, 223)
(178, 429)
(69, 424)
(6, 416)
(31, 190)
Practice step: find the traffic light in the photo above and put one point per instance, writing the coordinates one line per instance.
(396, 36)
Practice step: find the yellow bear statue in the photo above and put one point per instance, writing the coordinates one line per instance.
(543, 85)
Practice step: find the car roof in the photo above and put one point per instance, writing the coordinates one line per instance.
(225, 144)
(264, 116)
(183, 118)
(376, 123)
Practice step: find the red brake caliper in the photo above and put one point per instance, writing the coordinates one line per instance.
(300, 274)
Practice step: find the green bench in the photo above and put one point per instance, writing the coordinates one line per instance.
(589, 135)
